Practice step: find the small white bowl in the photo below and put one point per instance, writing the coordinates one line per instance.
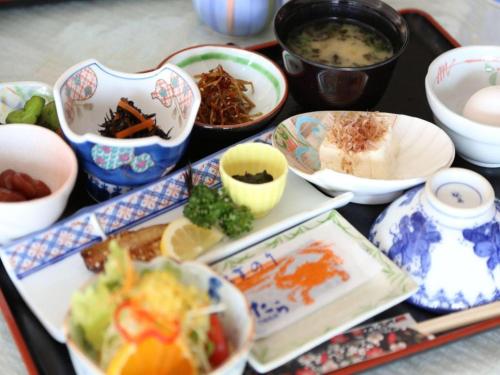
(423, 150)
(237, 321)
(451, 80)
(43, 155)
(269, 82)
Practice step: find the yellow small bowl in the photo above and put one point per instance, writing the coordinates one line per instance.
(254, 158)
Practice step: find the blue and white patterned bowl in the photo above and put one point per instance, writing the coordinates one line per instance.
(236, 17)
(86, 92)
(446, 234)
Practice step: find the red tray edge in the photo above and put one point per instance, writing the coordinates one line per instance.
(16, 335)
(417, 348)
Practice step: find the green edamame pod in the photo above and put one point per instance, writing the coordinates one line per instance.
(48, 117)
(29, 114)
(34, 105)
(20, 116)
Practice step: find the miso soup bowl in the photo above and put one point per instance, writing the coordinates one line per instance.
(318, 86)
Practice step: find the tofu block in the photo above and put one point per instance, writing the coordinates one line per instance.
(362, 146)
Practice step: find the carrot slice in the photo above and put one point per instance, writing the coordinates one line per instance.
(127, 107)
(146, 124)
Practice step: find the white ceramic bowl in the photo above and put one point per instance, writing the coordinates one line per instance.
(84, 95)
(236, 320)
(451, 80)
(423, 149)
(270, 85)
(446, 236)
(43, 155)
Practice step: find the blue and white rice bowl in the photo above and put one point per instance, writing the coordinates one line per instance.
(446, 235)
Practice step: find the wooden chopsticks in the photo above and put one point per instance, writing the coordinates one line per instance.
(459, 319)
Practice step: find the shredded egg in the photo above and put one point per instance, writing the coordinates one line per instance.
(484, 106)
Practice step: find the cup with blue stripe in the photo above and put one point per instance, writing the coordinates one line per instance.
(236, 17)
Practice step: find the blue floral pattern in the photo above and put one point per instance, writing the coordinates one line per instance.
(486, 240)
(441, 302)
(411, 244)
(214, 285)
(409, 195)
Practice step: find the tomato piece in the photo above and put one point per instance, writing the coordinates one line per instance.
(220, 346)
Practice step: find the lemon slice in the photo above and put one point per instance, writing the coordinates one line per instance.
(183, 240)
(119, 360)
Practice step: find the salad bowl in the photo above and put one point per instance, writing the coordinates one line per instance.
(423, 150)
(226, 301)
(85, 93)
(445, 234)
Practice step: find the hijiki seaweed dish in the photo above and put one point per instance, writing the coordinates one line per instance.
(128, 121)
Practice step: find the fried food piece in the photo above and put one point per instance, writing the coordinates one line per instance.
(143, 244)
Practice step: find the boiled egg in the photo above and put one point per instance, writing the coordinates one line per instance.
(484, 106)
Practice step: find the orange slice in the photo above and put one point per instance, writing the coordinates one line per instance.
(151, 356)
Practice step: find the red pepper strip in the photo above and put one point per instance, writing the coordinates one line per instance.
(143, 315)
(216, 336)
(135, 128)
(134, 112)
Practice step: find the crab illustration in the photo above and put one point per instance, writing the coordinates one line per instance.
(311, 274)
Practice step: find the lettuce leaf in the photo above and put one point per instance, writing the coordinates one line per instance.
(92, 311)
(92, 308)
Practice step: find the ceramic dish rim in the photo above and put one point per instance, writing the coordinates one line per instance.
(277, 73)
(134, 142)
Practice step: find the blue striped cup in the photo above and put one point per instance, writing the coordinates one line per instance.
(236, 17)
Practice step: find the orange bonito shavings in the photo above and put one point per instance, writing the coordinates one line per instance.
(357, 132)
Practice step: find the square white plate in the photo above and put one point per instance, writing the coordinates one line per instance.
(46, 266)
(383, 286)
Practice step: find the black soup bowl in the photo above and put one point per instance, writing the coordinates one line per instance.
(319, 86)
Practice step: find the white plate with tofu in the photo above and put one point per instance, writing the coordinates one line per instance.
(375, 155)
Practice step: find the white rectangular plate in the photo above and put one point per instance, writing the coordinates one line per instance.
(46, 266)
(384, 286)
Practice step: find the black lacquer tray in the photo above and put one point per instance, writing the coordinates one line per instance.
(405, 95)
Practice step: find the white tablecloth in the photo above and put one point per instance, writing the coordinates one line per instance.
(38, 42)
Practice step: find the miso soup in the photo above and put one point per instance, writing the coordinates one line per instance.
(339, 43)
